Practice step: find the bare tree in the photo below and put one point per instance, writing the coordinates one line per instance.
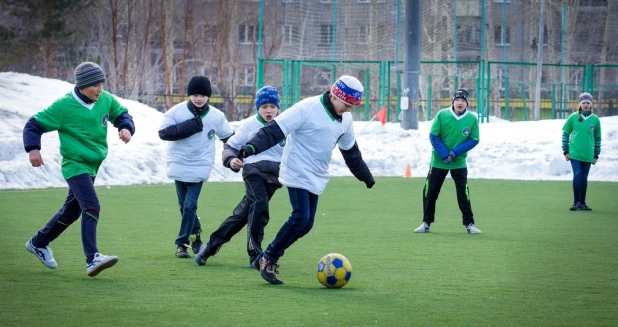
(164, 24)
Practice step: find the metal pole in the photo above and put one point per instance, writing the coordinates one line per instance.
(562, 35)
(259, 75)
(334, 32)
(409, 118)
(455, 43)
(539, 64)
(483, 96)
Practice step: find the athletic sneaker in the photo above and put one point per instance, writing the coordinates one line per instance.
(100, 263)
(472, 230)
(423, 228)
(576, 207)
(201, 257)
(196, 244)
(181, 252)
(255, 263)
(44, 254)
(583, 206)
(268, 270)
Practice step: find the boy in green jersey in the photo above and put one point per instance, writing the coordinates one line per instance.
(581, 145)
(454, 132)
(81, 119)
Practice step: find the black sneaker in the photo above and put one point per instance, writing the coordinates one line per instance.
(181, 252)
(584, 207)
(255, 263)
(576, 207)
(269, 271)
(195, 245)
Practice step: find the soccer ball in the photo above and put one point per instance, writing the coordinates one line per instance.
(334, 270)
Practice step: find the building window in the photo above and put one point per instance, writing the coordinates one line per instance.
(468, 35)
(502, 76)
(246, 76)
(502, 38)
(326, 35)
(545, 36)
(247, 33)
(363, 34)
(289, 33)
(208, 33)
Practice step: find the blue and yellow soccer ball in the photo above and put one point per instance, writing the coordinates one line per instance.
(334, 270)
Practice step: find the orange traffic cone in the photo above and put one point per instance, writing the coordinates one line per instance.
(408, 173)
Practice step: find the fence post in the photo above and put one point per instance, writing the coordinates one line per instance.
(553, 101)
(429, 97)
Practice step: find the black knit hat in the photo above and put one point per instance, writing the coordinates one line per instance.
(88, 74)
(463, 94)
(199, 85)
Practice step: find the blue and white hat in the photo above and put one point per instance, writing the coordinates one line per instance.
(267, 94)
(348, 89)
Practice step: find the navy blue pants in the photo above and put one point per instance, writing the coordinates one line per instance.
(188, 194)
(304, 205)
(251, 211)
(580, 180)
(81, 201)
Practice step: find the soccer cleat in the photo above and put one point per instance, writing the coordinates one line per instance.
(576, 207)
(100, 263)
(196, 244)
(181, 252)
(255, 263)
(472, 230)
(201, 257)
(584, 207)
(268, 270)
(423, 228)
(44, 254)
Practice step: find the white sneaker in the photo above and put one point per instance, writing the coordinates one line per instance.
(100, 263)
(44, 254)
(472, 230)
(423, 228)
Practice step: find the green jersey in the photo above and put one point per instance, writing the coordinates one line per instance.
(582, 136)
(453, 130)
(82, 129)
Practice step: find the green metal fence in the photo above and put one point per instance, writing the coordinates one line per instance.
(498, 89)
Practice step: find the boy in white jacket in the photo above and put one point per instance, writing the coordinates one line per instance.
(191, 127)
(313, 127)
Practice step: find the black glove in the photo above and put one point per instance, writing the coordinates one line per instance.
(245, 151)
(199, 122)
(370, 183)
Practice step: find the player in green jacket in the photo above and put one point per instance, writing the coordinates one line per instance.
(454, 132)
(81, 119)
(581, 145)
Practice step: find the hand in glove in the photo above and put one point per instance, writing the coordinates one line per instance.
(245, 151)
(451, 156)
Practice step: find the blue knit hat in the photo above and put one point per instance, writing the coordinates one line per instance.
(267, 94)
(88, 74)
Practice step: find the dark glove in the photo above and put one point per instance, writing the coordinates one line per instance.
(451, 156)
(198, 122)
(370, 183)
(245, 151)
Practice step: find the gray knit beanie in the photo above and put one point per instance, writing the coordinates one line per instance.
(88, 74)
